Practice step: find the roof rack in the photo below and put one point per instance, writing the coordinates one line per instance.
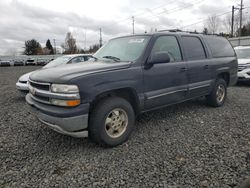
(178, 30)
(170, 30)
(181, 31)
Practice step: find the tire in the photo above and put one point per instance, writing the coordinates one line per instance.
(111, 122)
(219, 93)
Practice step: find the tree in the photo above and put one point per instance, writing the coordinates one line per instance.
(93, 48)
(205, 31)
(213, 24)
(32, 47)
(70, 44)
(245, 31)
(49, 47)
(227, 23)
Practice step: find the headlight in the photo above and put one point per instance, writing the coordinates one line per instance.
(69, 103)
(61, 88)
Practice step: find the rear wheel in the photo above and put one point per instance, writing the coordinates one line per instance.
(111, 121)
(218, 95)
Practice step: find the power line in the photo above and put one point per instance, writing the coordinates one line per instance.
(177, 9)
(203, 20)
(150, 10)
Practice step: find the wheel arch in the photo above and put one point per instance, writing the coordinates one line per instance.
(126, 93)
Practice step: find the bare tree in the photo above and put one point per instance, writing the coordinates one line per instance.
(213, 24)
(227, 23)
(70, 44)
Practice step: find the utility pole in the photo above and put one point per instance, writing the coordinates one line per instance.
(54, 45)
(232, 26)
(133, 24)
(100, 37)
(85, 38)
(241, 8)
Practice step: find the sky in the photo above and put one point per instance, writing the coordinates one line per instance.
(22, 20)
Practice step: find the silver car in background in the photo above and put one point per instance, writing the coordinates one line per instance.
(243, 55)
(22, 85)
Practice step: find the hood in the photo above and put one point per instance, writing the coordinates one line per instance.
(64, 73)
(25, 77)
(243, 61)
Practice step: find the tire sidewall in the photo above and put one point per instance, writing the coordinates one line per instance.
(218, 83)
(99, 122)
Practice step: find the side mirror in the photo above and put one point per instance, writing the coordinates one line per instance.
(159, 57)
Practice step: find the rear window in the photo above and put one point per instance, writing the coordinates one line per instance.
(219, 46)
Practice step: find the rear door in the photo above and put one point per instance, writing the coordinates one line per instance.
(199, 68)
(165, 83)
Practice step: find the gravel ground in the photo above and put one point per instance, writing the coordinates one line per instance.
(186, 145)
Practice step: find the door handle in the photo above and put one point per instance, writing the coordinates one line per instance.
(206, 67)
(183, 69)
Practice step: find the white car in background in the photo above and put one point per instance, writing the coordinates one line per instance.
(22, 84)
(243, 54)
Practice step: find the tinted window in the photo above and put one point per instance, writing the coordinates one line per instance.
(77, 60)
(168, 44)
(220, 47)
(193, 48)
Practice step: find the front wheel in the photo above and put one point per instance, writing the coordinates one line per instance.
(111, 121)
(218, 95)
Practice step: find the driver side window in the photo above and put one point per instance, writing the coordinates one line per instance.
(77, 60)
(169, 45)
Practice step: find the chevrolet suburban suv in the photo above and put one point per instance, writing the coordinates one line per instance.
(131, 75)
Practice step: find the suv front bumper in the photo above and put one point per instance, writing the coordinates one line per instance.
(23, 87)
(68, 121)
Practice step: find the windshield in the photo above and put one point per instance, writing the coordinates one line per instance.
(123, 49)
(58, 61)
(243, 53)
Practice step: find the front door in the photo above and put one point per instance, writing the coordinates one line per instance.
(166, 83)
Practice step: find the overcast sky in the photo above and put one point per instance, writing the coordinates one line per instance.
(22, 20)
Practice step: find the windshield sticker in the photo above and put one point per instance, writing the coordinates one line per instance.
(136, 41)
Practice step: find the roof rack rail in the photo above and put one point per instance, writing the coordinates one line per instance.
(170, 30)
(191, 32)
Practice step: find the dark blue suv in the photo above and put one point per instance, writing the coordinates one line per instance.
(131, 75)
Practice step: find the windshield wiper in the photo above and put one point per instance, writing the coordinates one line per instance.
(112, 57)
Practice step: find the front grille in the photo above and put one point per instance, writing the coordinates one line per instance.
(41, 86)
(41, 98)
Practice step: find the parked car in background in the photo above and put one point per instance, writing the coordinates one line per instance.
(22, 85)
(18, 62)
(42, 62)
(5, 63)
(30, 62)
(132, 75)
(243, 54)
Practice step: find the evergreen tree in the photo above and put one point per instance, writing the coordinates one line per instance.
(49, 47)
(32, 47)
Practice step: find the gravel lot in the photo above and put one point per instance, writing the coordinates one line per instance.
(186, 145)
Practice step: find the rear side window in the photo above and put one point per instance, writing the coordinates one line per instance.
(220, 47)
(193, 48)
